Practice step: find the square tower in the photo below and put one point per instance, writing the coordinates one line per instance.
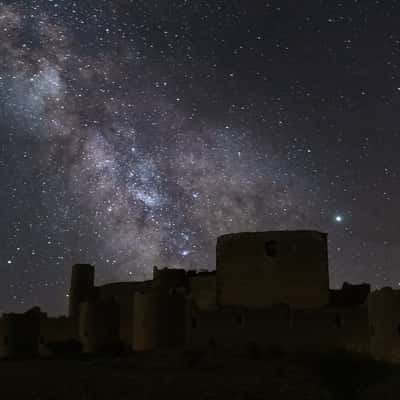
(260, 269)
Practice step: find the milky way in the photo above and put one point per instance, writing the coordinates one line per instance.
(134, 133)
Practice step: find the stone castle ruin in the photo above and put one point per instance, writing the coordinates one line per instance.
(269, 289)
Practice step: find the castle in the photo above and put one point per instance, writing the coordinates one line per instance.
(269, 289)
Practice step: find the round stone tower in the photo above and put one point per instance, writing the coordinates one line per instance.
(158, 320)
(260, 269)
(99, 326)
(146, 321)
(82, 283)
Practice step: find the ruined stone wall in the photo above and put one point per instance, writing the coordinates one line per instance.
(21, 334)
(57, 329)
(259, 269)
(57, 333)
(384, 319)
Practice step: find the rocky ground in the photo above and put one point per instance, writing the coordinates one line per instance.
(195, 376)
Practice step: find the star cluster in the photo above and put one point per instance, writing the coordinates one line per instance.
(133, 133)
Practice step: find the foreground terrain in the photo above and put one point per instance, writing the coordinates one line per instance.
(196, 376)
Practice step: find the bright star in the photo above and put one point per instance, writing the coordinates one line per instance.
(338, 218)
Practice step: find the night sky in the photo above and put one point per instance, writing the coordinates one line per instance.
(134, 133)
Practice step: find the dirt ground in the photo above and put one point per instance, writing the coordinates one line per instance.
(145, 376)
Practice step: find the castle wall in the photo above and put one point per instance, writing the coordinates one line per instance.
(235, 329)
(260, 269)
(122, 293)
(202, 289)
(384, 318)
(57, 329)
(158, 320)
(99, 326)
(353, 325)
(56, 332)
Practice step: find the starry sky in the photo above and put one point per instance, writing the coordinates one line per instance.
(134, 132)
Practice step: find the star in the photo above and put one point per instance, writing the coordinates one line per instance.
(338, 218)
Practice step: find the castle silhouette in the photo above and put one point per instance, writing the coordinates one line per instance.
(269, 289)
